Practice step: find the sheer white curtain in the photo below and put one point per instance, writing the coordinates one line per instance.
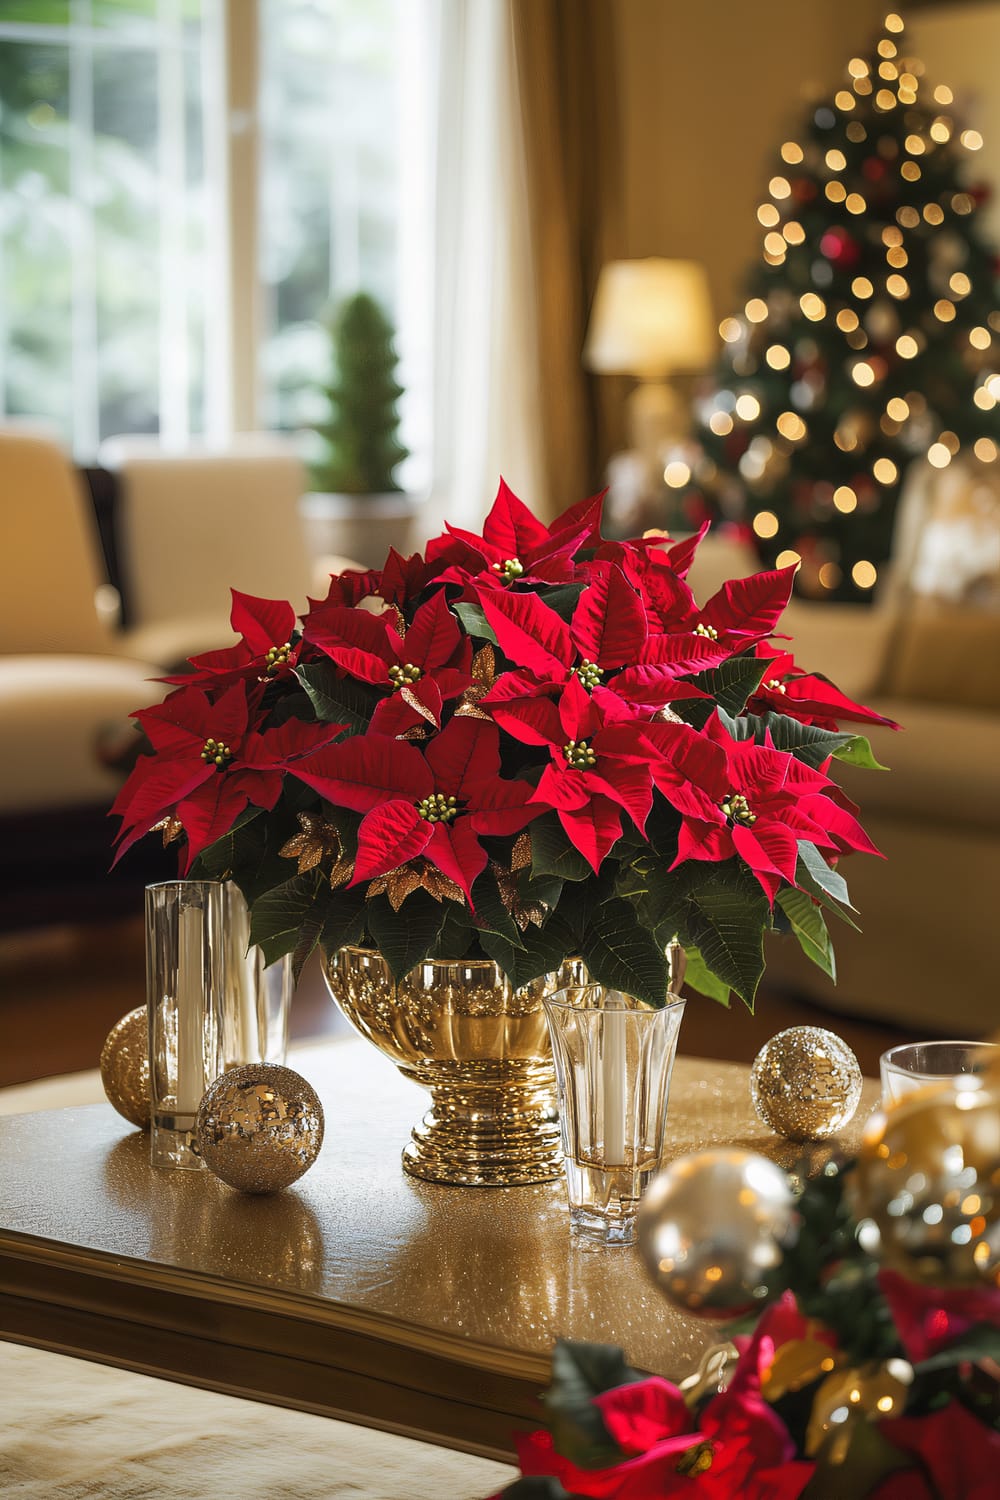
(481, 316)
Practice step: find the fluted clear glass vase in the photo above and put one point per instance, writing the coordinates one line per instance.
(479, 1046)
(614, 1058)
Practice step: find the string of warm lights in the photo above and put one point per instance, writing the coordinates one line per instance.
(870, 337)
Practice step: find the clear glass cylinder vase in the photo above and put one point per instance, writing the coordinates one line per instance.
(185, 925)
(614, 1058)
(256, 996)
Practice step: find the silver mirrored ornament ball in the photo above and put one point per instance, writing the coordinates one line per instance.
(713, 1228)
(259, 1127)
(806, 1083)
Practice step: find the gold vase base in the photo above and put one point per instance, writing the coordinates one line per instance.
(462, 1146)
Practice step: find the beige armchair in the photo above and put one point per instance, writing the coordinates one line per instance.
(65, 681)
(193, 525)
(64, 675)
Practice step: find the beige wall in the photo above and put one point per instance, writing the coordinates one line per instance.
(709, 91)
(961, 46)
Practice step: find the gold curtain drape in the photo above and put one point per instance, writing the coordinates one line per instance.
(567, 82)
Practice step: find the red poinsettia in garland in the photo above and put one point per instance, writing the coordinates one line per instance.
(529, 744)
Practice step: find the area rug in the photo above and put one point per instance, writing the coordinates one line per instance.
(72, 1430)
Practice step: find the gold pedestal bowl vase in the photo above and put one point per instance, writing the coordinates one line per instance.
(479, 1046)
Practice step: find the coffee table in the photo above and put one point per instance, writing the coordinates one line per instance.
(359, 1293)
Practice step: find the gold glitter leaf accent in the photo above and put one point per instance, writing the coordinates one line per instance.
(468, 703)
(520, 859)
(317, 841)
(398, 884)
(400, 619)
(523, 912)
(411, 700)
(484, 666)
(172, 828)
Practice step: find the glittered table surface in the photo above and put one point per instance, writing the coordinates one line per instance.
(480, 1278)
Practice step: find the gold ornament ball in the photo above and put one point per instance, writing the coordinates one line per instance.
(259, 1127)
(926, 1187)
(713, 1228)
(125, 1067)
(805, 1083)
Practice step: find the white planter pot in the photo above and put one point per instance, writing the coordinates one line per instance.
(359, 527)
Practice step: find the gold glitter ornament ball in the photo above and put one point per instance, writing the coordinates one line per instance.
(259, 1127)
(926, 1187)
(713, 1228)
(805, 1083)
(125, 1067)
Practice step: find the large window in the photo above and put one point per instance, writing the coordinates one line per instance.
(124, 267)
(107, 279)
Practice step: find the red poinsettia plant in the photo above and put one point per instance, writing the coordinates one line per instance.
(528, 744)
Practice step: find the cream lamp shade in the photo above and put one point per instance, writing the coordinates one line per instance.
(650, 318)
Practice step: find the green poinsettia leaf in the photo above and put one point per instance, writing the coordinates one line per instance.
(540, 950)
(457, 932)
(732, 682)
(344, 919)
(475, 623)
(243, 845)
(338, 700)
(814, 875)
(740, 727)
(536, 1487)
(581, 1371)
(982, 1341)
(700, 977)
(809, 928)
(278, 917)
(491, 915)
(725, 916)
(858, 752)
(553, 854)
(622, 953)
(807, 743)
(405, 937)
(563, 599)
(309, 936)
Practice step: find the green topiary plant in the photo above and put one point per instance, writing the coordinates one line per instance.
(361, 436)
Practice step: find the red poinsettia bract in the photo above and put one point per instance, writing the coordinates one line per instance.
(599, 764)
(265, 651)
(515, 547)
(421, 668)
(208, 765)
(739, 798)
(435, 801)
(805, 696)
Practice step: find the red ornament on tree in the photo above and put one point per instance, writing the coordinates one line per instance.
(839, 248)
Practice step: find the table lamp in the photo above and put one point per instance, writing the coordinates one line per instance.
(651, 318)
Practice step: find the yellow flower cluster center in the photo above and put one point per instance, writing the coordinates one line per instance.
(736, 806)
(405, 675)
(276, 658)
(438, 808)
(589, 674)
(580, 756)
(216, 753)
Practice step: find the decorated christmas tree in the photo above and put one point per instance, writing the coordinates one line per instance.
(361, 435)
(870, 336)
